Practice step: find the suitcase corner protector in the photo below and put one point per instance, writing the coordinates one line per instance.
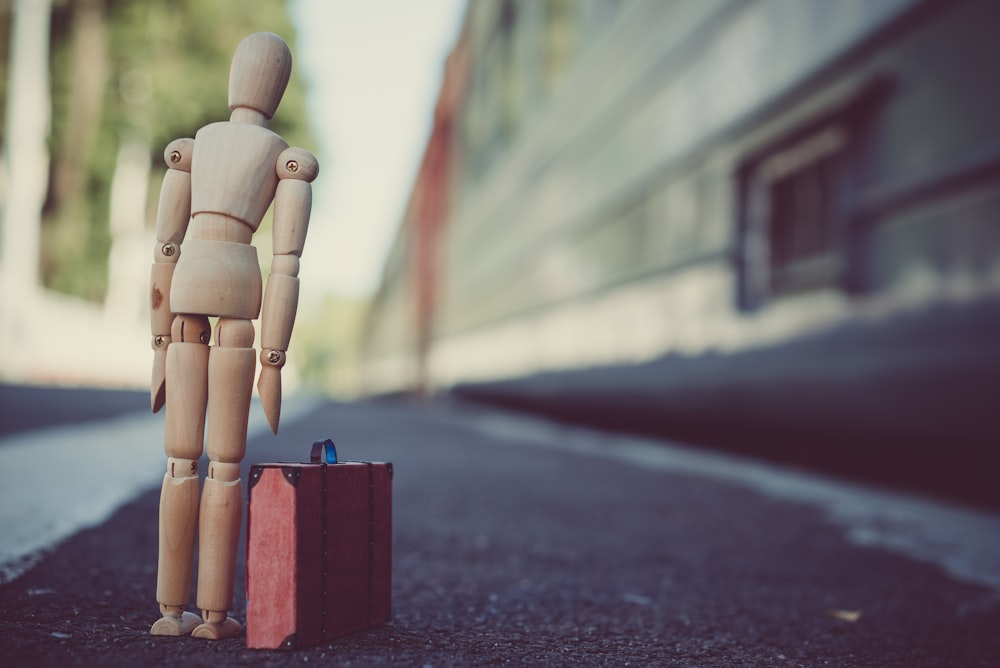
(255, 472)
(291, 474)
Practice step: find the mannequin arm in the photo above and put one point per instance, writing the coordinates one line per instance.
(292, 204)
(172, 218)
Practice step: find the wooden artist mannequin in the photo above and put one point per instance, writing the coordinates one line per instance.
(222, 181)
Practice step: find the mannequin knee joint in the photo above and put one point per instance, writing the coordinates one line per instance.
(233, 333)
(182, 468)
(224, 471)
(191, 329)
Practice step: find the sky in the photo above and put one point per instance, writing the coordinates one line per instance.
(373, 70)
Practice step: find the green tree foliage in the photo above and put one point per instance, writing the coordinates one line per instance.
(127, 69)
(172, 63)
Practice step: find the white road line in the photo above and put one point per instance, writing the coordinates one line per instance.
(963, 541)
(57, 481)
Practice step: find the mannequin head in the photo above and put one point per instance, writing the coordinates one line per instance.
(259, 73)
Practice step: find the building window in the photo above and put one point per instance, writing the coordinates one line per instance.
(796, 205)
(803, 194)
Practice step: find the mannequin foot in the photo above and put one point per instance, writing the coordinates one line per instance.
(217, 630)
(174, 623)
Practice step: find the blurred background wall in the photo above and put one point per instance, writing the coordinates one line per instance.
(772, 225)
(609, 181)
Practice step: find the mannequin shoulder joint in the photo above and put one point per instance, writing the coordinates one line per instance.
(178, 154)
(297, 163)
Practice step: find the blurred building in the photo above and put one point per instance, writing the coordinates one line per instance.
(612, 181)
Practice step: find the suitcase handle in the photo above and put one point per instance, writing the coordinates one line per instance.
(323, 452)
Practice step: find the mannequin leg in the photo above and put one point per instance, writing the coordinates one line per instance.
(231, 367)
(186, 391)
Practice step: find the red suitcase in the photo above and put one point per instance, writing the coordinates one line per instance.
(319, 549)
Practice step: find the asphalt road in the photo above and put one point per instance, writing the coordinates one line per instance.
(534, 544)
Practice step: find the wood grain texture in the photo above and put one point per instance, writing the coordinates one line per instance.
(230, 377)
(292, 206)
(278, 314)
(174, 208)
(218, 540)
(178, 525)
(187, 397)
(160, 316)
(233, 172)
(217, 278)
(259, 74)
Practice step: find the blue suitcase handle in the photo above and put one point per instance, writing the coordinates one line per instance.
(323, 452)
